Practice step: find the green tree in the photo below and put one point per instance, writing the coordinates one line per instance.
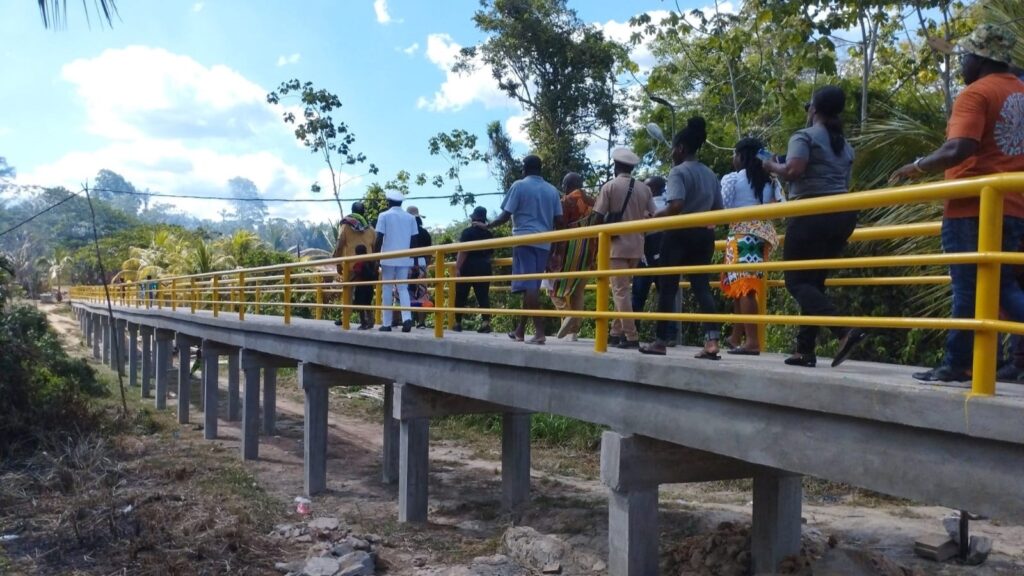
(558, 68)
(318, 130)
(250, 210)
(120, 193)
(502, 162)
(458, 147)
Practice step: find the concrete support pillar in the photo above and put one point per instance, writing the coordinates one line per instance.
(105, 330)
(252, 363)
(269, 400)
(413, 406)
(776, 527)
(234, 399)
(313, 381)
(389, 465)
(122, 345)
(515, 459)
(94, 330)
(133, 355)
(184, 344)
(632, 467)
(147, 358)
(413, 468)
(210, 389)
(250, 413)
(163, 340)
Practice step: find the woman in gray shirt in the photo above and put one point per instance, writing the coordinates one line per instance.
(818, 164)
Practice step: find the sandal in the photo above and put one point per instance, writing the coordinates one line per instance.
(741, 351)
(484, 330)
(705, 355)
(805, 360)
(515, 336)
(536, 341)
(653, 349)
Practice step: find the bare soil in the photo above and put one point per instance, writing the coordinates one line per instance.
(198, 509)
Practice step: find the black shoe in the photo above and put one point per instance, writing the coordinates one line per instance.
(457, 328)
(614, 341)
(407, 326)
(385, 328)
(1009, 373)
(942, 374)
(805, 360)
(421, 325)
(337, 322)
(854, 337)
(629, 345)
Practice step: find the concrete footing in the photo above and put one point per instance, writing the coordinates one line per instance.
(413, 406)
(634, 466)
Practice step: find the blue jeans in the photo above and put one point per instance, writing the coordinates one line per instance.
(961, 235)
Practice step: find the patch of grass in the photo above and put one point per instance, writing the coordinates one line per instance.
(547, 429)
(232, 482)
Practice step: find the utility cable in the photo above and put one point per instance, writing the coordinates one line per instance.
(115, 348)
(38, 214)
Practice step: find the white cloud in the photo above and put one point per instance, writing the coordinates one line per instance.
(169, 96)
(515, 127)
(197, 7)
(286, 60)
(460, 89)
(380, 7)
(411, 49)
(622, 32)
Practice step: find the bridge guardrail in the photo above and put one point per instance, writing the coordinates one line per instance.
(240, 290)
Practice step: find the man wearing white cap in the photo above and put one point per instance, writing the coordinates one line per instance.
(396, 230)
(623, 199)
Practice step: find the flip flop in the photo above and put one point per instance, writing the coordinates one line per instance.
(705, 355)
(536, 341)
(743, 352)
(650, 350)
(515, 336)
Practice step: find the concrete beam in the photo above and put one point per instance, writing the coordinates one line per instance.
(147, 358)
(163, 340)
(426, 403)
(635, 462)
(776, 526)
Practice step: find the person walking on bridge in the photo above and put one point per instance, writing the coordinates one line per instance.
(353, 232)
(692, 188)
(469, 263)
(624, 199)
(985, 135)
(533, 206)
(574, 255)
(396, 230)
(818, 164)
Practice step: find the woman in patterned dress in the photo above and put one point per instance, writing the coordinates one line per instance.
(748, 242)
(567, 294)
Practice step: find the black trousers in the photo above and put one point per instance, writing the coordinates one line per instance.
(482, 290)
(814, 237)
(686, 247)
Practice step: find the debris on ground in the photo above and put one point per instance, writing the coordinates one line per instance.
(336, 552)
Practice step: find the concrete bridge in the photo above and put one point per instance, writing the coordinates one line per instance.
(672, 419)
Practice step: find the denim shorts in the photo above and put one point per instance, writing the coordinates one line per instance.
(528, 260)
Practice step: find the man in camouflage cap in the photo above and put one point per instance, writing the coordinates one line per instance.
(984, 135)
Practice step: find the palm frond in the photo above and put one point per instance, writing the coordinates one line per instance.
(55, 12)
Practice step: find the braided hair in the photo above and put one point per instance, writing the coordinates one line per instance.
(758, 177)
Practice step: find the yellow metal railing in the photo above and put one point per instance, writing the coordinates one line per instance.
(275, 289)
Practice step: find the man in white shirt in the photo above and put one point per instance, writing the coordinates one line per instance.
(396, 230)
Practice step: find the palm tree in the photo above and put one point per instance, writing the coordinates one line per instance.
(239, 244)
(55, 13)
(55, 266)
(1008, 13)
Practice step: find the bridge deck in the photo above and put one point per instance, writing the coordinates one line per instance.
(867, 424)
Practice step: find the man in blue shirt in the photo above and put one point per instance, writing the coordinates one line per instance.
(534, 206)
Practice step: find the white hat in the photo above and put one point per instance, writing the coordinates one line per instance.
(414, 211)
(625, 156)
(394, 196)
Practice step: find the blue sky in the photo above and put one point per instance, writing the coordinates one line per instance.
(173, 96)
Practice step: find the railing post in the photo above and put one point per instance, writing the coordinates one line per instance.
(378, 298)
(194, 296)
(762, 310)
(214, 296)
(287, 299)
(174, 295)
(450, 298)
(439, 300)
(241, 296)
(346, 293)
(318, 312)
(990, 239)
(604, 263)
(256, 300)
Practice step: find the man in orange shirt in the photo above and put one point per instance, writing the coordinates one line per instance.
(985, 135)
